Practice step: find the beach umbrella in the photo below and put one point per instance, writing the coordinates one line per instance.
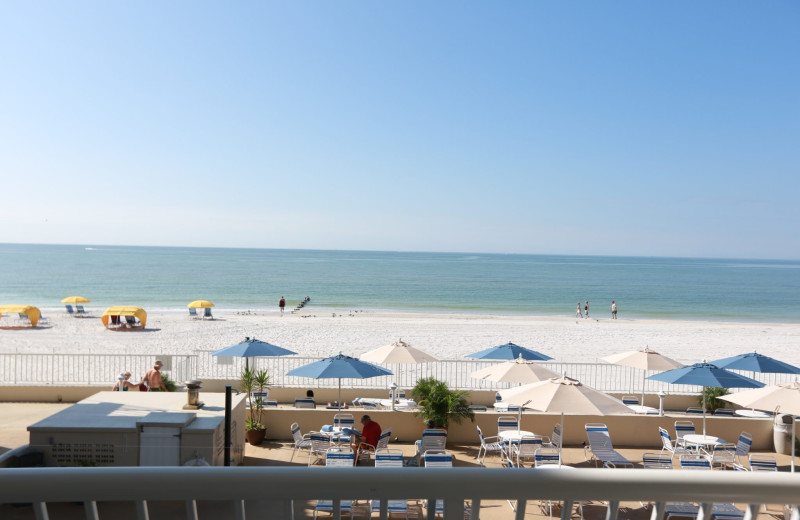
(517, 371)
(75, 299)
(200, 304)
(339, 367)
(397, 352)
(706, 374)
(253, 348)
(563, 394)
(755, 362)
(646, 360)
(783, 398)
(510, 351)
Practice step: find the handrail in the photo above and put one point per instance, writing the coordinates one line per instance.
(43, 485)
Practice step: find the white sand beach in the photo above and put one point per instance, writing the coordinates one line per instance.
(444, 336)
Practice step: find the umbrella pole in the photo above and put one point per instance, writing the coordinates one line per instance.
(561, 443)
(793, 437)
(519, 420)
(644, 378)
(339, 401)
(704, 410)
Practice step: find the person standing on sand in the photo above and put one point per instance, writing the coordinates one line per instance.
(578, 313)
(613, 310)
(281, 304)
(586, 309)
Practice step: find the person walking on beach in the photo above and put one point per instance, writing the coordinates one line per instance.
(281, 304)
(586, 309)
(153, 379)
(613, 310)
(578, 313)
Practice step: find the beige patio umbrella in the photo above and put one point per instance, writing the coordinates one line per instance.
(563, 394)
(397, 352)
(783, 398)
(646, 360)
(516, 371)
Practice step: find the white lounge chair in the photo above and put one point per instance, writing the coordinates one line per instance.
(336, 458)
(490, 444)
(601, 447)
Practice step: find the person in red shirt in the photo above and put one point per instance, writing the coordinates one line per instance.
(370, 433)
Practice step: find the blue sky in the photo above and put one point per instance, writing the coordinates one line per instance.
(612, 128)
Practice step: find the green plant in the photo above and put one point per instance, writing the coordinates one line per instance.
(169, 383)
(712, 394)
(251, 382)
(439, 403)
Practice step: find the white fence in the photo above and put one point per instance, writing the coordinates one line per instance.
(83, 369)
(283, 492)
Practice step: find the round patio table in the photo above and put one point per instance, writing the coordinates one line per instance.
(755, 414)
(515, 435)
(702, 441)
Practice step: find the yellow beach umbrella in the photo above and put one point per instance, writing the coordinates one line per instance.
(200, 304)
(75, 299)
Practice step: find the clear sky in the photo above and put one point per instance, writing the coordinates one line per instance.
(611, 128)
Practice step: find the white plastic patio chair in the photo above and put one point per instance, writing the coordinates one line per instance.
(683, 428)
(340, 422)
(526, 448)
(336, 458)
(320, 443)
(431, 440)
(546, 457)
(670, 445)
(601, 447)
(440, 459)
(364, 448)
(722, 510)
(506, 423)
(490, 444)
(723, 455)
(554, 441)
(386, 458)
(301, 442)
(651, 460)
(763, 463)
(743, 447)
(694, 461)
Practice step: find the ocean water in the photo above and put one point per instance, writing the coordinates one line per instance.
(165, 278)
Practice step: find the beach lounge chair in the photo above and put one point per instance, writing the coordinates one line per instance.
(431, 440)
(630, 400)
(386, 458)
(131, 321)
(304, 402)
(272, 403)
(301, 442)
(683, 428)
(724, 411)
(69, 309)
(336, 458)
(490, 444)
(670, 445)
(193, 313)
(207, 313)
(601, 447)
(80, 310)
(694, 410)
(320, 443)
(526, 448)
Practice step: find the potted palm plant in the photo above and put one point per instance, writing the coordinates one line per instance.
(440, 404)
(254, 382)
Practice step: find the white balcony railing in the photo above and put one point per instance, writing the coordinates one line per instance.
(289, 487)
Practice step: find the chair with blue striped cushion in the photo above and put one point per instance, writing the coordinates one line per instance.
(601, 447)
(630, 400)
(694, 410)
(683, 428)
(336, 458)
(743, 447)
(432, 439)
(387, 458)
(724, 411)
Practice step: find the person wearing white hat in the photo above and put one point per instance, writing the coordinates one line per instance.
(123, 382)
(153, 379)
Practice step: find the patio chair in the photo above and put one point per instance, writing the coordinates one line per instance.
(364, 448)
(683, 428)
(336, 458)
(304, 402)
(724, 411)
(526, 448)
(301, 442)
(670, 445)
(694, 410)
(763, 463)
(684, 509)
(193, 313)
(506, 423)
(69, 309)
(490, 444)
(369, 405)
(207, 313)
(386, 458)
(342, 421)
(546, 457)
(79, 309)
(320, 443)
(554, 441)
(723, 455)
(431, 440)
(630, 400)
(440, 459)
(601, 447)
(258, 398)
(651, 460)
(694, 461)
(743, 447)
(131, 321)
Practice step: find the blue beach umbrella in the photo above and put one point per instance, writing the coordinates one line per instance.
(706, 374)
(339, 367)
(510, 352)
(755, 362)
(253, 348)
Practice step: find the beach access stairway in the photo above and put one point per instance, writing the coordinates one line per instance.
(290, 488)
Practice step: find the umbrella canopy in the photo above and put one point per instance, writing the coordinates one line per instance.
(517, 371)
(339, 367)
(706, 374)
(397, 352)
(137, 312)
(645, 360)
(785, 398)
(508, 352)
(755, 362)
(200, 304)
(75, 299)
(253, 348)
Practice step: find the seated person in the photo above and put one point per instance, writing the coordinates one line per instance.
(126, 384)
(368, 439)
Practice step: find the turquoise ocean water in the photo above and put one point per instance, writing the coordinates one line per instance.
(163, 278)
